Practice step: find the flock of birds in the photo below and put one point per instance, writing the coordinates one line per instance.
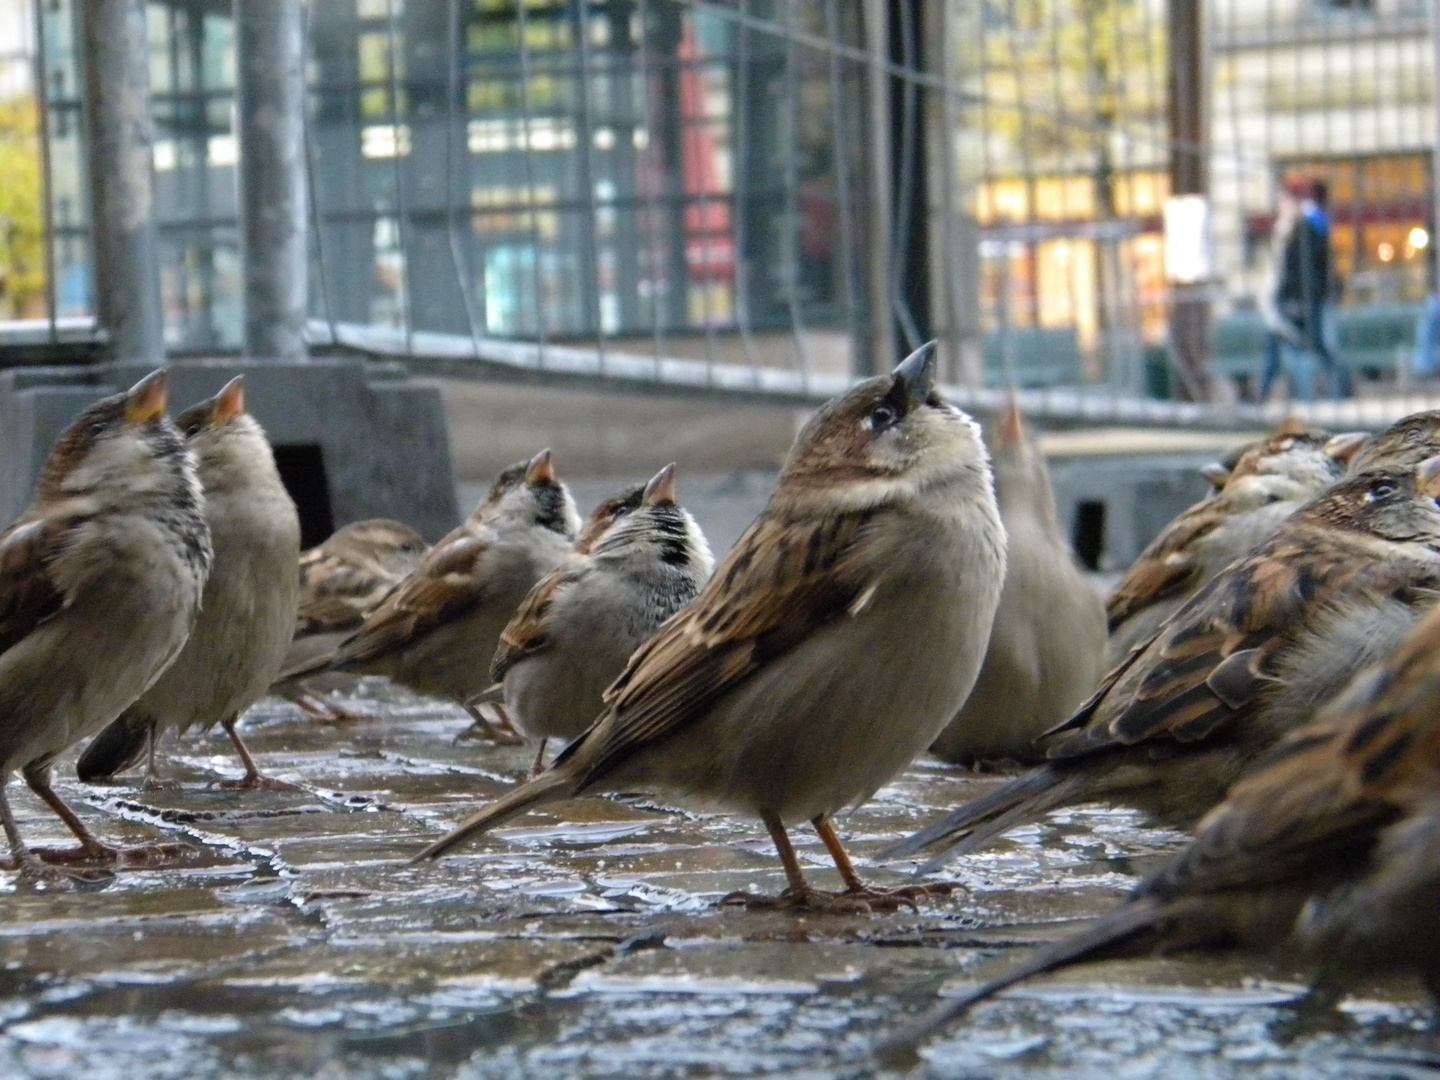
(1273, 656)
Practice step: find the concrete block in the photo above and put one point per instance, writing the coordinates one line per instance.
(353, 439)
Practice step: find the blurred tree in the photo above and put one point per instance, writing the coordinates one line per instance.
(22, 223)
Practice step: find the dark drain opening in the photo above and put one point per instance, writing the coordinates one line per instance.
(1088, 535)
(302, 469)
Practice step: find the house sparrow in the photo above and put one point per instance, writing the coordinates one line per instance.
(835, 641)
(436, 631)
(342, 581)
(1408, 441)
(100, 582)
(1184, 717)
(1046, 646)
(1330, 849)
(640, 559)
(1266, 485)
(248, 610)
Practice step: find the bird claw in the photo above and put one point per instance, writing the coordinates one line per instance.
(863, 901)
(256, 782)
(499, 731)
(113, 854)
(161, 783)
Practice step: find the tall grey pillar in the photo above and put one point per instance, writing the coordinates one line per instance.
(270, 117)
(122, 181)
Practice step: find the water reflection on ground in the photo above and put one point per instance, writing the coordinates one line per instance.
(584, 940)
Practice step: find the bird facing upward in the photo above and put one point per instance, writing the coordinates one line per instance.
(831, 645)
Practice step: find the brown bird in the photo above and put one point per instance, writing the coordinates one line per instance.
(1184, 717)
(1406, 442)
(1048, 640)
(248, 609)
(1330, 849)
(436, 631)
(640, 559)
(1267, 484)
(100, 582)
(341, 581)
(831, 646)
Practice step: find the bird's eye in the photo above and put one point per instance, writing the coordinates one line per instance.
(97, 428)
(1382, 490)
(883, 416)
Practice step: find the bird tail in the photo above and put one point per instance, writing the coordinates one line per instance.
(547, 787)
(982, 820)
(115, 749)
(493, 693)
(1115, 932)
(313, 665)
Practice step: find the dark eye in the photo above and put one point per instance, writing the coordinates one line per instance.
(883, 416)
(97, 428)
(1382, 490)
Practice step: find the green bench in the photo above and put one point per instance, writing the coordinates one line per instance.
(1040, 356)
(1374, 341)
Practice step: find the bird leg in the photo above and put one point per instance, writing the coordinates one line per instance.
(22, 859)
(253, 778)
(501, 731)
(538, 765)
(91, 849)
(799, 895)
(154, 779)
(321, 708)
(856, 889)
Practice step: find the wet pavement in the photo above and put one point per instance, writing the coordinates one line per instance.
(584, 940)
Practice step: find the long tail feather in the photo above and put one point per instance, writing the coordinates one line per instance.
(1108, 934)
(1042, 788)
(547, 787)
(115, 749)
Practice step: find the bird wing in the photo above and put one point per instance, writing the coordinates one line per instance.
(1166, 568)
(528, 631)
(1214, 659)
(336, 594)
(29, 593)
(781, 581)
(450, 579)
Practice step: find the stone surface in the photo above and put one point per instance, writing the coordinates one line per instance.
(296, 940)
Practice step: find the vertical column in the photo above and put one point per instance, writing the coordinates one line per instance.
(122, 182)
(270, 121)
(1189, 175)
(909, 184)
(879, 344)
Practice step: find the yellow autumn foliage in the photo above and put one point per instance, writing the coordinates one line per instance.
(22, 222)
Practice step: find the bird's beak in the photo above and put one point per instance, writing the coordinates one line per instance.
(661, 488)
(1215, 474)
(1345, 446)
(541, 469)
(1427, 476)
(1011, 429)
(148, 398)
(915, 376)
(229, 403)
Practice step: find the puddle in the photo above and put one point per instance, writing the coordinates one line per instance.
(297, 940)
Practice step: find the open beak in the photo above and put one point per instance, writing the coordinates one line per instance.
(229, 403)
(661, 488)
(541, 469)
(148, 398)
(1345, 446)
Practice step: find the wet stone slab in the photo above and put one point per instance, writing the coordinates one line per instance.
(294, 938)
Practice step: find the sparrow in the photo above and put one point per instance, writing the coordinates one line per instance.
(1330, 851)
(1408, 441)
(1048, 639)
(436, 631)
(1266, 485)
(100, 583)
(1183, 717)
(341, 581)
(247, 612)
(640, 559)
(830, 647)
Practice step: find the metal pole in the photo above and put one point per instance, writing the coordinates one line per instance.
(1189, 175)
(270, 121)
(122, 182)
(1435, 165)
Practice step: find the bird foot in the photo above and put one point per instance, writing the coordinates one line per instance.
(113, 854)
(862, 901)
(256, 782)
(325, 711)
(36, 874)
(161, 783)
(501, 732)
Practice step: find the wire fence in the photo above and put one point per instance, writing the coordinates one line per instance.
(772, 197)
